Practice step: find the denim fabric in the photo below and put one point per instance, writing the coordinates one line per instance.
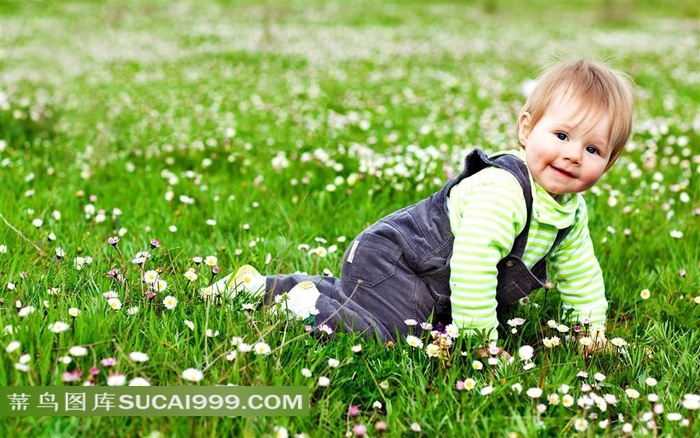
(399, 267)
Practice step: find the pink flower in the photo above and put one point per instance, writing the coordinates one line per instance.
(353, 411)
(108, 362)
(359, 430)
(71, 376)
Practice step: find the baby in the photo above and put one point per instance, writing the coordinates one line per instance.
(489, 236)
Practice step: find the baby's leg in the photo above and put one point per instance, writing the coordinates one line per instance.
(300, 293)
(322, 297)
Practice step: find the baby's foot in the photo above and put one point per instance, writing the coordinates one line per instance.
(300, 301)
(246, 279)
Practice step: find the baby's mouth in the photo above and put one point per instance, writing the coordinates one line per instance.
(563, 172)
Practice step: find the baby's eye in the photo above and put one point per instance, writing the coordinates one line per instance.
(591, 150)
(561, 136)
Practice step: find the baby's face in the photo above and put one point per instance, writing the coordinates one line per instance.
(568, 149)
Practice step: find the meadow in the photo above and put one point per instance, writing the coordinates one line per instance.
(150, 148)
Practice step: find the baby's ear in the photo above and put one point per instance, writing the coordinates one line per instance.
(524, 128)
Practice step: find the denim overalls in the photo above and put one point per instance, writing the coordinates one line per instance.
(399, 267)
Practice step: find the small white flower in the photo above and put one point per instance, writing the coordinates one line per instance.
(486, 390)
(567, 400)
(618, 342)
(22, 367)
(333, 363)
(12, 346)
(691, 402)
(74, 312)
(170, 302)
(432, 350)
(58, 327)
(193, 375)
(452, 331)
(78, 351)
(553, 399)
(414, 341)
(632, 393)
(116, 380)
(674, 416)
(580, 424)
(114, 303)
(325, 329)
(306, 372)
(534, 392)
(25, 311)
(410, 322)
(191, 274)
(525, 352)
(150, 277)
(139, 381)
(160, 285)
(262, 349)
(138, 356)
(324, 381)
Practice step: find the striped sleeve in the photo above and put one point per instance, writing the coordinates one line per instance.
(487, 212)
(578, 274)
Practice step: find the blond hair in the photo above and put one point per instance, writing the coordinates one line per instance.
(596, 87)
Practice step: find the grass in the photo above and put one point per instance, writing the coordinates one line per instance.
(289, 124)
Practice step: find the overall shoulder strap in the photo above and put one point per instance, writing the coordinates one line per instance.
(517, 168)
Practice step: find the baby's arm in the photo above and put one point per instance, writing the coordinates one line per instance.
(578, 274)
(487, 213)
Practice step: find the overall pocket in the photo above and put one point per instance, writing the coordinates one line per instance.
(371, 259)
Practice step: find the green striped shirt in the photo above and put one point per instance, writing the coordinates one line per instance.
(487, 211)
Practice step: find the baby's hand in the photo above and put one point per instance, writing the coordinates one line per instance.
(589, 346)
(492, 351)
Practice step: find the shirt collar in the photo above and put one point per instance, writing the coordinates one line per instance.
(559, 212)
